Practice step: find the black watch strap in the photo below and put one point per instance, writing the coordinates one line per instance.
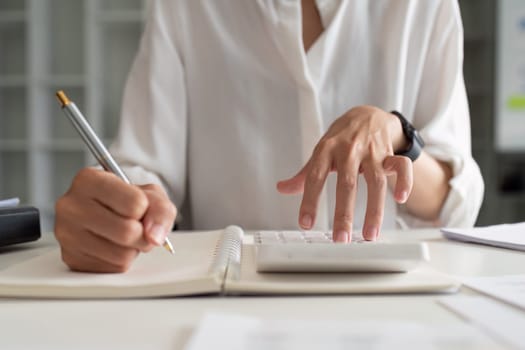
(415, 141)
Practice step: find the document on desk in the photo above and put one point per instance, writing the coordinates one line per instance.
(237, 332)
(501, 321)
(211, 262)
(510, 289)
(511, 236)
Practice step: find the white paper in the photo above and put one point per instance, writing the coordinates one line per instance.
(9, 202)
(501, 321)
(235, 332)
(510, 289)
(510, 236)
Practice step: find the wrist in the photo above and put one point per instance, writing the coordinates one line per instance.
(399, 141)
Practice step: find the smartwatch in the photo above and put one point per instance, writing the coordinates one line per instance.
(415, 141)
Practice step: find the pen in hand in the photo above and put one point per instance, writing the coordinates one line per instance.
(95, 145)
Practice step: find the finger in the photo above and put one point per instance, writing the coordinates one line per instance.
(81, 262)
(87, 244)
(376, 187)
(160, 215)
(109, 190)
(346, 189)
(101, 221)
(315, 177)
(295, 184)
(402, 168)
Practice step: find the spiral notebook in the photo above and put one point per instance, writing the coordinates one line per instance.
(211, 262)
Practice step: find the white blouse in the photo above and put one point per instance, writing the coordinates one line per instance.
(222, 102)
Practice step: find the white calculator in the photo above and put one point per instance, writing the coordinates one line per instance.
(315, 251)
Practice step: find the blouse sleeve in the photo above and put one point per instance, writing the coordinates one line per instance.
(151, 139)
(442, 116)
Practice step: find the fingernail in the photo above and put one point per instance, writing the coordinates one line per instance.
(403, 196)
(371, 233)
(306, 221)
(158, 234)
(341, 236)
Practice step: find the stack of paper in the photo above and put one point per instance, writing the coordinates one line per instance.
(9, 202)
(511, 236)
(501, 320)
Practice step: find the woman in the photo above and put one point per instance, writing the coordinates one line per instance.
(225, 99)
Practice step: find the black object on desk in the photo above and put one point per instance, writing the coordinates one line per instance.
(19, 225)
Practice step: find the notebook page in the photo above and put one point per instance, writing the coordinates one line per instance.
(249, 281)
(157, 273)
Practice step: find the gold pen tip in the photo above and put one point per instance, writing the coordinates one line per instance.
(169, 247)
(62, 98)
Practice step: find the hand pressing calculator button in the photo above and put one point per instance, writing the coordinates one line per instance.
(315, 251)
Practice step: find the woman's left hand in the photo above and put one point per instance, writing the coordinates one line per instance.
(363, 140)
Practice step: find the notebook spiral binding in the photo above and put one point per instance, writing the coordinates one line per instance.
(227, 255)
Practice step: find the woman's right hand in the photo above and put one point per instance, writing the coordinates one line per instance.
(103, 223)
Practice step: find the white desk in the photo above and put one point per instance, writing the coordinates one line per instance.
(167, 323)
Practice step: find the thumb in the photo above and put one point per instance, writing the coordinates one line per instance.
(294, 184)
(402, 168)
(160, 215)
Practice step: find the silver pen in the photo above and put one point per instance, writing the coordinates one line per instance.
(94, 144)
